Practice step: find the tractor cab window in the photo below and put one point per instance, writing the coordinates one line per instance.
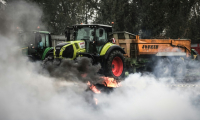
(42, 43)
(101, 35)
(85, 33)
(43, 38)
(47, 40)
(101, 38)
(40, 39)
(26, 39)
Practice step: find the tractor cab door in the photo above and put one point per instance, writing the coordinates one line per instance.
(42, 42)
(101, 39)
(88, 35)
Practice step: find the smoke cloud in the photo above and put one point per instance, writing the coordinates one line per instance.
(79, 70)
(28, 93)
(145, 97)
(20, 15)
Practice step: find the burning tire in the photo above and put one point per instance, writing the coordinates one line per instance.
(115, 65)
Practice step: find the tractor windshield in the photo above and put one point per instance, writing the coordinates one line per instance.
(25, 39)
(84, 33)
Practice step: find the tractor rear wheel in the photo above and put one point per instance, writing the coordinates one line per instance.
(115, 65)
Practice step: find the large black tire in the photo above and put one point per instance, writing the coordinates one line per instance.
(115, 65)
(48, 61)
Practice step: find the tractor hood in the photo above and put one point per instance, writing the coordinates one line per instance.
(69, 49)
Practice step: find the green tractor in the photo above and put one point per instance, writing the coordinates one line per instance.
(36, 45)
(93, 41)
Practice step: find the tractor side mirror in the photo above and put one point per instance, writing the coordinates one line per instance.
(112, 40)
(74, 34)
(67, 35)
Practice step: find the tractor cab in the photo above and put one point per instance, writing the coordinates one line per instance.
(34, 43)
(95, 36)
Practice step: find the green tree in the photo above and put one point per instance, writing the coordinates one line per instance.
(193, 30)
(58, 14)
(152, 17)
(178, 15)
(179, 19)
(121, 12)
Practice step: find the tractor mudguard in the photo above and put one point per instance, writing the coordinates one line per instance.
(105, 48)
(114, 47)
(47, 51)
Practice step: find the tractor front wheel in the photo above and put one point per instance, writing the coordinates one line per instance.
(115, 65)
(48, 61)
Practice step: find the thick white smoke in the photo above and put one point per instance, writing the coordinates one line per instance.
(26, 94)
(144, 97)
(3, 2)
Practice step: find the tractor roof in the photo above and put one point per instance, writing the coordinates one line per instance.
(92, 25)
(46, 32)
(35, 31)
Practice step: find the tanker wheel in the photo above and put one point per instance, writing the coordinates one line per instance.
(115, 65)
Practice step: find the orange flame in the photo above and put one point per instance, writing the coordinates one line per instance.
(93, 88)
(110, 82)
(96, 101)
(88, 83)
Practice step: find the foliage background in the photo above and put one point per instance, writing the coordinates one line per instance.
(148, 18)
